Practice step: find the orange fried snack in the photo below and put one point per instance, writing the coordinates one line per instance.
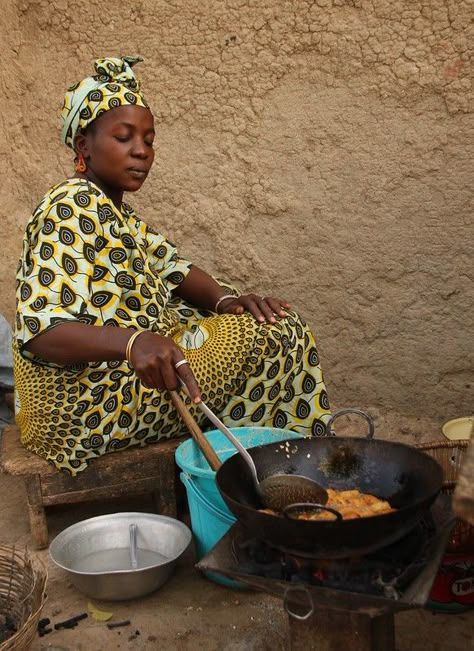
(350, 504)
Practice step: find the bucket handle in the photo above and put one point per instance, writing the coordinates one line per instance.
(191, 486)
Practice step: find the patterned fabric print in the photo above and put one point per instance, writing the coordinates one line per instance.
(85, 260)
(115, 84)
(280, 383)
(82, 259)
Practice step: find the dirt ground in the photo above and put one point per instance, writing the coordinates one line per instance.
(190, 612)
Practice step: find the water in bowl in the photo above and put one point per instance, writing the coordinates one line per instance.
(117, 560)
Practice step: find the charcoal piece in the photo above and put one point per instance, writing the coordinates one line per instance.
(7, 627)
(125, 622)
(71, 622)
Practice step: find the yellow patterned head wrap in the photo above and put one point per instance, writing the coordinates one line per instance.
(115, 84)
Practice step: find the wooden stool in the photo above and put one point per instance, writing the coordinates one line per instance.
(150, 469)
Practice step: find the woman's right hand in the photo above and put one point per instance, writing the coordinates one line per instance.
(154, 359)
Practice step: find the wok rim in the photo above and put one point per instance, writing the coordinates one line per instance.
(328, 524)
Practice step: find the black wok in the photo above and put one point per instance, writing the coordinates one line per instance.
(407, 477)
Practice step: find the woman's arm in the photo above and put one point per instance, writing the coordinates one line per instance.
(73, 342)
(152, 356)
(200, 289)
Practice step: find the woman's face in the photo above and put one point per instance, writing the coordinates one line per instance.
(118, 149)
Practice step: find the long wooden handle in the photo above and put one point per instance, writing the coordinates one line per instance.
(195, 431)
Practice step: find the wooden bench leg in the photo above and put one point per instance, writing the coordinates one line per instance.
(38, 525)
(165, 496)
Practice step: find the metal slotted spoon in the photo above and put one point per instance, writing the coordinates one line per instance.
(276, 491)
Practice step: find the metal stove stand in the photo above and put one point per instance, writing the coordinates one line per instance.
(328, 619)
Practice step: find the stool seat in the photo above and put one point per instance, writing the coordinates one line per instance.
(138, 470)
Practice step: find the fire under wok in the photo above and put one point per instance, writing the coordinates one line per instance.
(406, 477)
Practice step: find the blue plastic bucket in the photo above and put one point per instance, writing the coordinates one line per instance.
(210, 517)
(190, 458)
(209, 525)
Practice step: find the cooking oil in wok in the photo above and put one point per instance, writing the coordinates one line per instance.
(116, 560)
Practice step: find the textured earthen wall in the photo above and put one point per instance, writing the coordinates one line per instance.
(320, 150)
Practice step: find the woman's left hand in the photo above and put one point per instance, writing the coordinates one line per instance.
(263, 308)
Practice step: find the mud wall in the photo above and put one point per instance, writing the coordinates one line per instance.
(317, 150)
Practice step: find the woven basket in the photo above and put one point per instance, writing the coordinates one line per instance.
(450, 454)
(22, 595)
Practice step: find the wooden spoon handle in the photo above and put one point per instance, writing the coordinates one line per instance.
(195, 431)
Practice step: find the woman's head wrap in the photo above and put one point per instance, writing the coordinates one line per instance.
(115, 84)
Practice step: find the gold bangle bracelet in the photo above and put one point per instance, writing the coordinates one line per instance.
(222, 299)
(130, 343)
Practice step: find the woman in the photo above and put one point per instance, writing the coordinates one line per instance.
(109, 315)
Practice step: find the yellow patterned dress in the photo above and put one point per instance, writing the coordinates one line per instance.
(85, 260)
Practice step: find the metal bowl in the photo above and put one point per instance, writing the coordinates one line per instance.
(97, 554)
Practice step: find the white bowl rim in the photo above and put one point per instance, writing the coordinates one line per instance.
(457, 421)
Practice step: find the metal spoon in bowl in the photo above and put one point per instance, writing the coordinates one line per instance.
(133, 546)
(276, 491)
